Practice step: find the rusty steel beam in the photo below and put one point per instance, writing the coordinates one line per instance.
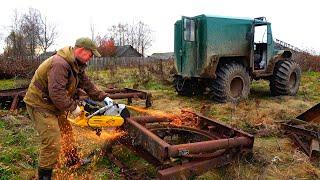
(124, 90)
(301, 144)
(182, 149)
(152, 143)
(127, 95)
(147, 96)
(207, 146)
(150, 119)
(140, 151)
(13, 92)
(167, 127)
(312, 114)
(216, 144)
(16, 94)
(306, 139)
(300, 131)
(113, 91)
(14, 103)
(206, 155)
(222, 128)
(192, 168)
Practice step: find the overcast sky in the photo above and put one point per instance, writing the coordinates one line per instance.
(295, 22)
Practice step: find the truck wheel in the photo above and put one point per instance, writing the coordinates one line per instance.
(231, 84)
(199, 88)
(285, 79)
(183, 86)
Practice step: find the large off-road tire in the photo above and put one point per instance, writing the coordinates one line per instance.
(183, 86)
(285, 79)
(231, 84)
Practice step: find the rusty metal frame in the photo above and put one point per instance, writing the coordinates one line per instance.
(311, 114)
(130, 94)
(189, 169)
(300, 130)
(306, 139)
(16, 94)
(225, 143)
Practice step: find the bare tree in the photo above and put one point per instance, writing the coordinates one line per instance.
(16, 21)
(137, 35)
(15, 45)
(47, 34)
(143, 37)
(29, 32)
(119, 33)
(92, 30)
(1, 41)
(31, 27)
(132, 38)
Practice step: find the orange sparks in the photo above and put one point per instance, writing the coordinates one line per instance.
(185, 118)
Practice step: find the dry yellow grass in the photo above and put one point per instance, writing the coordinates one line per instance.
(275, 156)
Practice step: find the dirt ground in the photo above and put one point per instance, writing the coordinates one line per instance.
(275, 155)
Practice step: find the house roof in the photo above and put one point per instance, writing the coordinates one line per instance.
(122, 51)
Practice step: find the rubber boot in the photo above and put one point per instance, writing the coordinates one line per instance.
(44, 174)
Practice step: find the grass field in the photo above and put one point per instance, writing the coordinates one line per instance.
(275, 156)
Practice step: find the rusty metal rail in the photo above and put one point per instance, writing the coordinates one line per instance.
(12, 95)
(304, 130)
(180, 151)
(306, 136)
(311, 115)
(127, 93)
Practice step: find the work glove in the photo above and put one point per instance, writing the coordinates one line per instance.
(108, 101)
(75, 113)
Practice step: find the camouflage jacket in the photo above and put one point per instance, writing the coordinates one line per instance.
(55, 82)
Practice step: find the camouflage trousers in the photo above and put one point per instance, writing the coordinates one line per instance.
(55, 133)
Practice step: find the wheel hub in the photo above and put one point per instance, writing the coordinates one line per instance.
(236, 87)
(292, 80)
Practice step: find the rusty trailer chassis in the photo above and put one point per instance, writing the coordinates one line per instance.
(304, 135)
(304, 130)
(127, 93)
(180, 151)
(13, 96)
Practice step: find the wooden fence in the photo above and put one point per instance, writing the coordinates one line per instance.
(98, 64)
(103, 63)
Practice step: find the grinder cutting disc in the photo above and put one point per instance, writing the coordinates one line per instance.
(125, 113)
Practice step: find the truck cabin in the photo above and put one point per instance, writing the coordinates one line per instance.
(260, 44)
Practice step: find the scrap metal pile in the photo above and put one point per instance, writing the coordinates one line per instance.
(12, 97)
(305, 131)
(185, 145)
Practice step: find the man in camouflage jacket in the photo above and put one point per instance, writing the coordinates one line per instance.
(50, 97)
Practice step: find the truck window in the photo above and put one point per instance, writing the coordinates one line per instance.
(189, 29)
(260, 34)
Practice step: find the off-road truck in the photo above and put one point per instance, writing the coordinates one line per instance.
(222, 55)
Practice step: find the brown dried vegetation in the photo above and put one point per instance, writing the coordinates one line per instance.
(17, 68)
(308, 62)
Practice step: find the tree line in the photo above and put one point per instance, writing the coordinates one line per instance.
(31, 33)
(138, 35)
